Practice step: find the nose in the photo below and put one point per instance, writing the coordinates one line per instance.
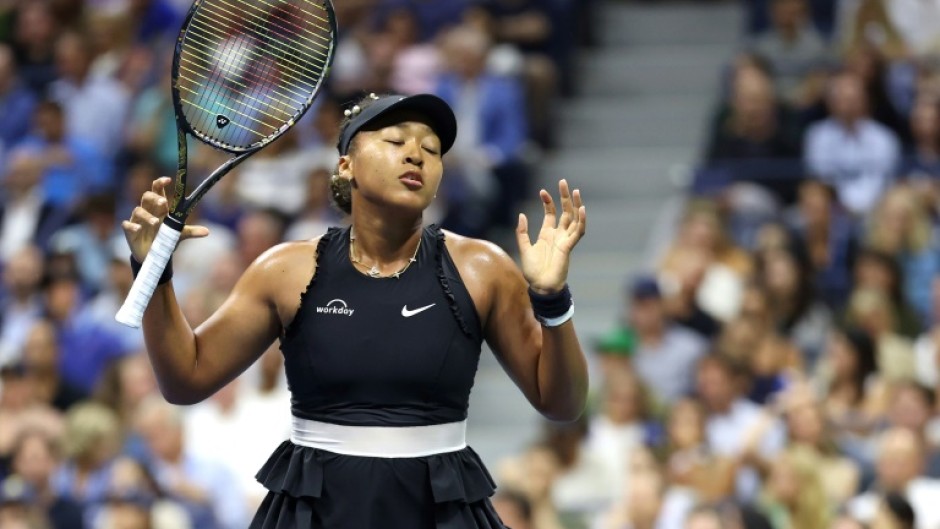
(413, 154)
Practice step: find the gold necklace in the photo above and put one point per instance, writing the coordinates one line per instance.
(374, 271)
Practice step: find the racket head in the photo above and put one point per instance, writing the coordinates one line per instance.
(244, 71)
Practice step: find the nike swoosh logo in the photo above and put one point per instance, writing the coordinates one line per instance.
(409, 313)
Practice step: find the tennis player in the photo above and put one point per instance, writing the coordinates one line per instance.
(381, 325)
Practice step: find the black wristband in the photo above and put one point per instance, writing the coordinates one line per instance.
(549, 306)
(167, 272)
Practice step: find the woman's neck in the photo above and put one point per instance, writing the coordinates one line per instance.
(382, 241)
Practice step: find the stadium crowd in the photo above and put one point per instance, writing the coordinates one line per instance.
(777, 364)
(86, 124)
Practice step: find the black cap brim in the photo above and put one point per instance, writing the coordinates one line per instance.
(439, 114)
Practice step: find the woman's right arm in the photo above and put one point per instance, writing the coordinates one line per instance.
(190, 365)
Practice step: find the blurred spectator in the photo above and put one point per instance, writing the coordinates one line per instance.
(921, 162)
(880, 271)
(72, 166)
(533, 473)
(276, 177)
(900, 467)
(258, 231)
(788, 282)
(901, 227)
(85, 348)
(100, 310)
(136, 502)
(690, 461)
(793, 495)
(736, 427)
(912, 407)
(702, 238)
(793, 48)
(210, 494)
(36, 455)
(91, 441)
(850, 150)
(488, 176)
(870, 310)
(413, 65)
(649, 502)
(41, 356)
(126, 384)
(809, 430)
(151, 125)
(531, 47)
(82, 95)
(754, 341)
(34, 37)
(872, 67)
(855, 394)
(621, 425)
(21, 410)
(258, 414)
(93, 240)
(753, 126)
(665, 353)
(16, 102)
(20, 302)
(26, 215)
(827, 237)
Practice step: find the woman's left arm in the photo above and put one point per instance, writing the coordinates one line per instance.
(543, 358)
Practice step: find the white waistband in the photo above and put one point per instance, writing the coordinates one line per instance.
(380, 441)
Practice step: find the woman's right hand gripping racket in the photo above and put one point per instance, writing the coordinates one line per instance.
(244, 71)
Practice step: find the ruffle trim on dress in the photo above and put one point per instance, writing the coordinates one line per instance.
(297, 471)
(445, 284)
(292, 327)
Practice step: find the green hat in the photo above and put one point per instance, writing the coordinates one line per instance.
(620, 342)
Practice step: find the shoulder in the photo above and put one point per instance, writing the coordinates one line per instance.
(477, 253)
(284, 260)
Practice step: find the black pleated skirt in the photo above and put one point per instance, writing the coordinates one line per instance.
(310, 488)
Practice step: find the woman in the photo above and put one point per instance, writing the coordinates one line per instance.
(381, 324)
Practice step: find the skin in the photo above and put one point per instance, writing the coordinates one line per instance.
(547, 364)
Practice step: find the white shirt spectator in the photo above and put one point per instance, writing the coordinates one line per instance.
(858, 163)
(728, 433)
(669, 366)
(927, 360)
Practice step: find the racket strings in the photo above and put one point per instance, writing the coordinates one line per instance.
(247, 70)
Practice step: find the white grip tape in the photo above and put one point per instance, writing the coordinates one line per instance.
(132, 312)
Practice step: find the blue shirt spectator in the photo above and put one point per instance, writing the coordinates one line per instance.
(855, 154)
(16, 103)
(73, 166)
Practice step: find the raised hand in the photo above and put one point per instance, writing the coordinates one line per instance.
(141, 229)
(545, 263)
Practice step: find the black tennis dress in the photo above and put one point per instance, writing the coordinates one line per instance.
(354, 358)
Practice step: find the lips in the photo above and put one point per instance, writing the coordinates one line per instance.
(412, 179)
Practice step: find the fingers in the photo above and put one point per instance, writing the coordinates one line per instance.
(160, 184)
(548, 205)
(567, 210)
(194, 232)
(522, 233)
(143, 217)
(155, 204)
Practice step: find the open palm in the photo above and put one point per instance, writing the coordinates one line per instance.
(545, 263)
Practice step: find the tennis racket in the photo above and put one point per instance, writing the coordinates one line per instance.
(244, 71)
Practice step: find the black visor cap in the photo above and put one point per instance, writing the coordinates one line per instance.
(439, 114)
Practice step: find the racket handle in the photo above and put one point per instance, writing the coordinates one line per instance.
(132, 312)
